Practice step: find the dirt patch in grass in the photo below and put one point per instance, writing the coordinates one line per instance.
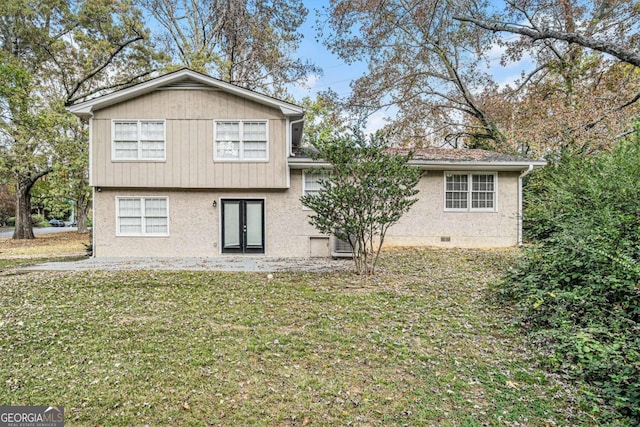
(45, 246)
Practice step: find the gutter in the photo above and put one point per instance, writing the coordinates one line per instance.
(434, 165)
(522, 175)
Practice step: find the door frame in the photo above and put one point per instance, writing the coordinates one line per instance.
(242, 224)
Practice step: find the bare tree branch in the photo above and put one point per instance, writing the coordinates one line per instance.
(118, 85)
(108, 60)
(608, 47)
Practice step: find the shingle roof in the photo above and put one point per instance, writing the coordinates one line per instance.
(440, 154)
(438, 158)
(458, 155)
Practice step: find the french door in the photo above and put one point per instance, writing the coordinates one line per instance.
(242, 226)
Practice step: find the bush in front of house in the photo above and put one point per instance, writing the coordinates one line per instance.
(367, 190)
(577, 287)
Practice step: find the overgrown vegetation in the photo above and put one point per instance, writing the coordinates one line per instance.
(578, 286)
(416, 345)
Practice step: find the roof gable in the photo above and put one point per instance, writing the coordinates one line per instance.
(182, 79)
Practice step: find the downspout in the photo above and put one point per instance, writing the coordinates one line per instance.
(522, 175)
(93, 189)
(290, 136)
(93, 223)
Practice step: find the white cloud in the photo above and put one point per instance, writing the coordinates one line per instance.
(308, 83)
(376, 121)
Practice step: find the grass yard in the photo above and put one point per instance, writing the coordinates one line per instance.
(418, 345)
(46, 246)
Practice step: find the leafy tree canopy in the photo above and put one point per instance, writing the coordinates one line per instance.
(245, 42)
(53, 53)
(430, 60)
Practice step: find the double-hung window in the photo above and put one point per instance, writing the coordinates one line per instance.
(139, 140)
(470, 191)
(142, 216)
(311, 181)
(245, 140)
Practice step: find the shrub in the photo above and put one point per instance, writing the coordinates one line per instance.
(578, 287)
(11, 221)
(38, 220)
(368, 190)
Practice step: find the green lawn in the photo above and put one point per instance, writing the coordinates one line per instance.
(418, 345)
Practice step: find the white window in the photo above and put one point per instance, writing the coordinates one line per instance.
(241, 140)
(311, 181)
(138, 140)
(142, 216)
(470, 191)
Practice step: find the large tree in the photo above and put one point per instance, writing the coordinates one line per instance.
(586, 71)
(323, 118)
(421, 61)
(53, 53)
(607, 26)
(249, 43)
(430, 59)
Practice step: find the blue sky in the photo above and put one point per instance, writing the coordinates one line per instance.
(337, 74)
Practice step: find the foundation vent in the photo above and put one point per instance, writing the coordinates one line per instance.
(341, 248)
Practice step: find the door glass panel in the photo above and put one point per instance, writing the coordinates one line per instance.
(254, 224)
(231, 224)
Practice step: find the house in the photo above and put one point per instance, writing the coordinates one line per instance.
(187, 165)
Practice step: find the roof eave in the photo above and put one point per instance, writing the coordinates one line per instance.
(84, 112)
(86, 108)
(306, 162)
(476, 165)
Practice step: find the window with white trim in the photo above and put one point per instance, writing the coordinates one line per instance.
(139, 140)
(142, 216)
(470, 191)
(311, 181)
(245, 140)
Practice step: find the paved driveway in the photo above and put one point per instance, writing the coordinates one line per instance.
(230, 263)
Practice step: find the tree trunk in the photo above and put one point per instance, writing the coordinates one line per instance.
(82, 207)
(24, 227)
